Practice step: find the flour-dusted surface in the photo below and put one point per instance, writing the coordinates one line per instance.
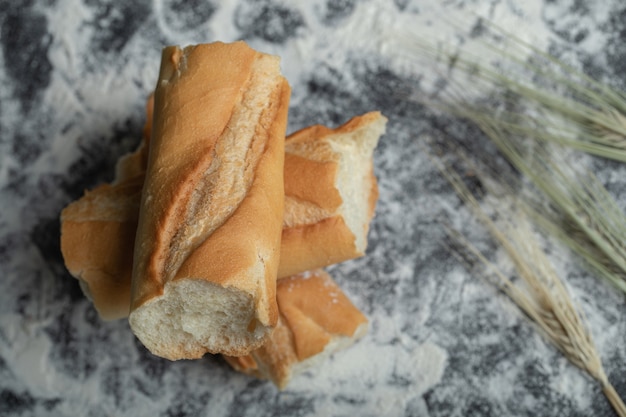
(75, 75)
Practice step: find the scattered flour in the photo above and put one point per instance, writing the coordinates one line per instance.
(387, 372)
(26, 347)
(382, 379)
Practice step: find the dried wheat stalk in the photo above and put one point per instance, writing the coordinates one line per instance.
(582, 213)
(533, 104)
(543, 298)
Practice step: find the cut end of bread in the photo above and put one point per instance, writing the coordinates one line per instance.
(330, 193)
(355, 147)
(208, 234)
(195, 317)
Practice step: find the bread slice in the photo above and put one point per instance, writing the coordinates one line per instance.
(316, 320)
(210, 218)
(330, 193)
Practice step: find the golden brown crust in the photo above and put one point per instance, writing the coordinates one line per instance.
(315, 229)
(181, 150)
(315, 133)
(314, 314)
(274, 360)
(212, 203)
(315, 309)
(106, 280)
(374, 194)
(97, 240)
(227, 256)
(308, 218)
(326, 242)
(313, 181)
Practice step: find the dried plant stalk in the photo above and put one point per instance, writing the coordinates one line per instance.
(544, 298)
(520, 76)
(573, 108)
(582, 213)
(525, 117)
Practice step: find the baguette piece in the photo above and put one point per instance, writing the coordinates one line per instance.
(330, 193)
(316, 320)
(210, 219)
(98, 232)
(97, 242)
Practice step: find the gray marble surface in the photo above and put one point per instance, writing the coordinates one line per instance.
(442, 342)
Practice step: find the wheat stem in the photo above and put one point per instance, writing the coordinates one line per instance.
(545, 301)
(596, 113)
(614, 399)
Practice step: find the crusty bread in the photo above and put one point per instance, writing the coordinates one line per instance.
(316, 319)
(210, 219)
(97, 241)
(330, 193)
(305, 223)
(98, 232)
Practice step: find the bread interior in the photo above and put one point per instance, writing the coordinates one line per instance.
(194, 314)
(355, 152)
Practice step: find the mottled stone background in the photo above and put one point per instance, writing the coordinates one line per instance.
(74, 77)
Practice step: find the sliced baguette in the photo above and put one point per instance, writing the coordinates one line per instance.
(330, 193)
(98, 232)
(316, 320)
(309, 238)
(97, 242)
(210, 218)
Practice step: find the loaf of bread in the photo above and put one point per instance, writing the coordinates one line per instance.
(316, 319)
(210, 218)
